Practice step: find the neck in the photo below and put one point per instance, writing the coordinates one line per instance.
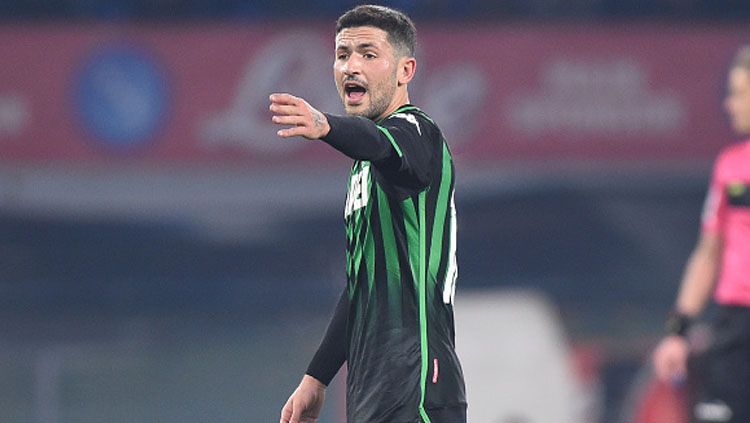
(398, 100)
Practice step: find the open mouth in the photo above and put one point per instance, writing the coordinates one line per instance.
(354, 92)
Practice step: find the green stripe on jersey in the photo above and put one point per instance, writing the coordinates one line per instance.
(393, 141)
(416, 240)
(392, 267)
(405, 109)
(423, 302)
(370, 257)
(436, 243)
(412, 226)
(357, 221)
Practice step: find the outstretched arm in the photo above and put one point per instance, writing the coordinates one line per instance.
(355, 136)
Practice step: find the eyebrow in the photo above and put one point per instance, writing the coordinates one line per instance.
(361, 46)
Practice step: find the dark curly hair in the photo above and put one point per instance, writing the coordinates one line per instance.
(402, 34)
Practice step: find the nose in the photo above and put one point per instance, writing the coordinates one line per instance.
(352, 66)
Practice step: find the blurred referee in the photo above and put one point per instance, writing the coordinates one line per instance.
(723, 255)
(393, 325)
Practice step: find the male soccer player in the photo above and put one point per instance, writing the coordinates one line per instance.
(723, 254)
(393, 325)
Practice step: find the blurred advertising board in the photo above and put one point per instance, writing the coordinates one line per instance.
(198, 93)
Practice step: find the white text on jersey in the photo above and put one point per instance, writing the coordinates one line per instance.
(359, 191)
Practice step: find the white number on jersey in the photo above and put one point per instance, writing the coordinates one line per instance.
(451, 274)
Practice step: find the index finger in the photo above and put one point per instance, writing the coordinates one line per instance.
(283, 98)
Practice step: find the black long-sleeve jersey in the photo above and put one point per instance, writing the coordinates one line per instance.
(401, 272)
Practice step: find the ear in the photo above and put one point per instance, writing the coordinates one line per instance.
(407, 67)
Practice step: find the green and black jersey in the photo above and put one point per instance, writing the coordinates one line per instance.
(401, 269)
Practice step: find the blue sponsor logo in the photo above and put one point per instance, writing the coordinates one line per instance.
(121, 97)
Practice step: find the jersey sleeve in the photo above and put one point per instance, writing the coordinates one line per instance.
(358, 138)
(401, 147)
(331, 353)
(415, 142)
(715, 205)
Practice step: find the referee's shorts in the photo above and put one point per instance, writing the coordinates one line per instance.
(720, 377)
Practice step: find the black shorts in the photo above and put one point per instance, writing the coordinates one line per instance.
(720, 377)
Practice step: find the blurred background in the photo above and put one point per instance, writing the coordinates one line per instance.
(165, 258)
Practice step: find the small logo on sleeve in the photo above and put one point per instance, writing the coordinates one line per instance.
(409, 118)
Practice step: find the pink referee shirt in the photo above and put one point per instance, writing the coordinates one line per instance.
(727, 213)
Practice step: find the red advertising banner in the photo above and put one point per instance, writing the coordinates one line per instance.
(199, 92)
